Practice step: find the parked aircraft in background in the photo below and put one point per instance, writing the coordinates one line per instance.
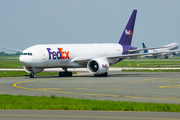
(95, 57)
(169, 47)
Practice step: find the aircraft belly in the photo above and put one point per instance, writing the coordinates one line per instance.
(60, 64)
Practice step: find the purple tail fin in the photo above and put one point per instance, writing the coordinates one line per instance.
(126, 37)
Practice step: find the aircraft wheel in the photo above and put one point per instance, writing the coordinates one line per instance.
(65, 74)
(105, 74)
(32, 75)
(69, 74)
(95, 75)
(61, 74)
(101, 75)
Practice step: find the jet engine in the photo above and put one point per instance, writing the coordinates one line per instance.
(35, 70)
(98, 66)
(175, 53)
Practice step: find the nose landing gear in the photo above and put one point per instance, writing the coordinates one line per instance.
(32, 75)
(61, 74)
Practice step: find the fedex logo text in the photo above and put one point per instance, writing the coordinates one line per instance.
(60, 54)
(128, 32)
(104, 65)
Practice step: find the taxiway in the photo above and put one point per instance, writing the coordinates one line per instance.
(158, 87)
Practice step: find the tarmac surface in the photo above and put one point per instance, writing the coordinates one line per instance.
(85, 115)
(158, 87)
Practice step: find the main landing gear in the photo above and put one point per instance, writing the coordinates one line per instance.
(65, 73)
(102, 75)
(166, 57)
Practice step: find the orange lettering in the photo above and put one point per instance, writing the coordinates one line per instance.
(64, 52)
(67, 55)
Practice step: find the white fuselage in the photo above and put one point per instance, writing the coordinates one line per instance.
(61, 55)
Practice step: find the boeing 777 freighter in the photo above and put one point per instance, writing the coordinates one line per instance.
(95, 57)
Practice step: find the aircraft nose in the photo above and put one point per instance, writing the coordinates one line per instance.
(24, 60)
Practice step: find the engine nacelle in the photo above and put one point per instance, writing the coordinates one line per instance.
(98, 66)
(175, 53)
(35, 70)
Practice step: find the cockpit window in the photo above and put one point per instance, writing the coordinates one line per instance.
(26, 54)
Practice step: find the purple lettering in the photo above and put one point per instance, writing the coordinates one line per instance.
(48, 49)
(59, 53)
(54, 55)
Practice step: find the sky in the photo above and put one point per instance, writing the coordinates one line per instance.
(24, 23)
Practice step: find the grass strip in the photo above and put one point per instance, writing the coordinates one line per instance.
(15, 64)
(147, 64)
(9, 63)
(153, 70)
(23, 73)
(64, 103)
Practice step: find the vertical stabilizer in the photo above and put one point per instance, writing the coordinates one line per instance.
(126, 37)
(144, 46)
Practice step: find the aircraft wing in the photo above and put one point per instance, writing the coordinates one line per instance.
(12, 49)
(134, 51)
(139, 54)
(86, 59)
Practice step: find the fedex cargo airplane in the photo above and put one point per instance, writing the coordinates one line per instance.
(95, 57)
(169, 47)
